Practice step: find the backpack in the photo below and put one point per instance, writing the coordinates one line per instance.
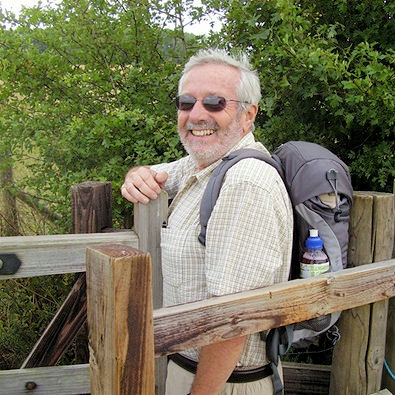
(307, 170)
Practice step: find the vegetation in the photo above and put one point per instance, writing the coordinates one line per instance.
(327, 72)
(87, 91)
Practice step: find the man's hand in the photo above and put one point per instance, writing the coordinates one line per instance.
(143, 184)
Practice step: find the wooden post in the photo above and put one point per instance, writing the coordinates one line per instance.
(91, 213)
(91, 207)
(388, 381)
(148, 220)
(358, 357)
(121, 338)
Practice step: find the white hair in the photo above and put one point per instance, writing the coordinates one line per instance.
(248, 91)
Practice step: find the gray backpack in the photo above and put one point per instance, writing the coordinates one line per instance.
(308, 171)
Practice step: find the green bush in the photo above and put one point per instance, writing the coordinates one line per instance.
(327, 74)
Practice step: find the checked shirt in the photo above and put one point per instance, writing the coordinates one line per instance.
(248, 242)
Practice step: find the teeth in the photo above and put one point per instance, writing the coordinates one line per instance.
(205, 132)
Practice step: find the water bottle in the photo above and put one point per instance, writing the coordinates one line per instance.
(314, 260)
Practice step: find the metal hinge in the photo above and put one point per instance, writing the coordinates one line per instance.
(9, 263)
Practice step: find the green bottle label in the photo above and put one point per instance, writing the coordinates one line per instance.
(308, 270)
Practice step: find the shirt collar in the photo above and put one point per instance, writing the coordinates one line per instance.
(248, 139)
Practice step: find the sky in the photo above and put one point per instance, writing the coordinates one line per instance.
(15, 6)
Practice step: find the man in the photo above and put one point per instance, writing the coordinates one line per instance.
(249, 235)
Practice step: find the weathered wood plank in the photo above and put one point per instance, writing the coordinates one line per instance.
(383, 240)
(91, 212)
(388, 381)
(121, 338)
(352, 286)
(58, 254)
(376, 345)
(59, 380)
(362, 341)
(148, 220)
(91, 206)
(383, 226)
(349, 354)
(196, 324)
(302, 379)
(353, 352)
(360, 241)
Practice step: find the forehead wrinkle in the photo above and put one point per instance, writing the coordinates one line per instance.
(224, 77)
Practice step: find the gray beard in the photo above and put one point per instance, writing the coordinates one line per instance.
(204, 158)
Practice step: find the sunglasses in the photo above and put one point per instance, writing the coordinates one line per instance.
(210, 103)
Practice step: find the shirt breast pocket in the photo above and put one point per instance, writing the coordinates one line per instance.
(183, 260)
(172, 245)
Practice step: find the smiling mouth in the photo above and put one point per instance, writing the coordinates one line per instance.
(203, 132)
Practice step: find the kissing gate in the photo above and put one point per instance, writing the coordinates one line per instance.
(128, 328)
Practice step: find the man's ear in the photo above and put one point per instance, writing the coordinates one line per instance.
(248, 118)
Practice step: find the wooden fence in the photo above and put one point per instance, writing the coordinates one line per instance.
(124, 339)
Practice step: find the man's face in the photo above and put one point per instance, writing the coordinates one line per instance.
(208, 136)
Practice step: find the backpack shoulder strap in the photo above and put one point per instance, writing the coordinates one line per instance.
(213, 188)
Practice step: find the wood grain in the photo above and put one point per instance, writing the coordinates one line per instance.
(58, 254)
(65, 380)
(358, 356)
(59, 380)
(148, 220)
(202, 322)
(120, 321)
(302, 379)
(91, 206)
(195, 324)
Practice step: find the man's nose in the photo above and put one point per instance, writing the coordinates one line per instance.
(198, 112)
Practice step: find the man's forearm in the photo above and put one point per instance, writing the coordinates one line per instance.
(216, 363)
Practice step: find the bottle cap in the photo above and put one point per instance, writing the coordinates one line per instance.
(314, 242)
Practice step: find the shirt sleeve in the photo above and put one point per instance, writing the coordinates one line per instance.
(249, 235)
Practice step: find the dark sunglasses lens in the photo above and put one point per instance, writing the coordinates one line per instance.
(185, 103)
(214, 103)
